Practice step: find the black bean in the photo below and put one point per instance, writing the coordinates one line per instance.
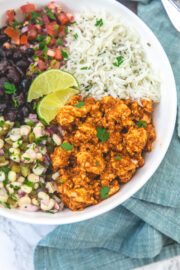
(2, 81)
(25, 111)
(17, 55)
(11, 115)
(3, 107)
(9, 53)
(22, 64)
(13, 75)
(3, 38)
(25, 84)
(3, 66)
(29, 52)
(2, 54)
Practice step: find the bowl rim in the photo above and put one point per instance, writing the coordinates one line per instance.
(18, 215)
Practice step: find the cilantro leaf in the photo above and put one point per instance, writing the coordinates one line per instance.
(7, 205)
(38, 140)
(75, 36)
(59, 41)
(17, 124)
(141, 124)
(67, 146)
(99, 23)
(16, 105)
(84, 68)
(64, 54)
(102, 134)
(104, 192)
(119, 61)
(118, 158)
(80, 104)
(50, 14)
(29, 183)
(11, 88)
(88, 87)
(66, 30)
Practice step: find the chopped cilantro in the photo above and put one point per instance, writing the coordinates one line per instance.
(50, 14)
(42, 185)
(80, 104)
(75, 36)
(67, 146)
(29, 183)
(45, 49)
(38, 140)
(88, 87)
(36, 164)
(102, 134)
(64, 54)
(16, 105)
(19, 142)
(40, 38)
(5, 182)
(1, 123)
(141, 124)
(97, 164)
(99, 23)
(66, 30)
(84, 68)
(11, 88)
(17, 124)
(119, 61)
(7, 205)
(5, 169)
(42, 44)
(34, 106)
(30, 123)
(48, 40)
(118, 158)
(104, 192)
(13, 197)
(59, 41)
(60, 181)
(26, 158)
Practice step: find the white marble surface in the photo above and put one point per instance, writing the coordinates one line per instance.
(17, 242)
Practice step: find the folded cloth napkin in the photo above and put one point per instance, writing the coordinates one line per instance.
(146, 228)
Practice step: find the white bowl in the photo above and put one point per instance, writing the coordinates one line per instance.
(164, 115)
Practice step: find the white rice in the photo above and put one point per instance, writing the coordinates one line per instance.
(97, 48)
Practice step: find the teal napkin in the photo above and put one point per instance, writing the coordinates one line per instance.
(146, 228)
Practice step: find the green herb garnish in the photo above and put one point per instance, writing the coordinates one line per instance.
(11, 88)
(38, 140)
(13, 197)
(29, 183)
(37, 163)
(80, 104)
(16, 105)
(60, 181)
(50, 14)
(59, 41)
(17, 124)
(64, 54)
(40, 38)
(30, 123)
(118, 158)
(104, 192)
(5, 182)
(102, 134)
(1, 123)
(66, 30)
(7, 205)
(45, 49)
(42, 185)
(67, 146)
(97, 164)
(99, 23)
(88, 87)
(84, 68)
(19, 142)
(42, 44)
(141, 124)
(26, 158)
(119, 61)
(75, 36)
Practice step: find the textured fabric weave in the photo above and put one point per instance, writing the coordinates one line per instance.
(146, 228)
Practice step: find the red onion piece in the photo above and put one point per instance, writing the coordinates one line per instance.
(1, 152)
(21, 193)
(24, 29)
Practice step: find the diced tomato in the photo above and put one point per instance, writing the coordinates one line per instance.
(52, 42)
(24, 40)
(52, 5)
(70, 16)
(32, 34)
(52, 29)
(10, 15)
(58, 54)
(12, 33)
(55, 64)
(41, 65)
(62, 32)
(28, 8)
(45, 19)
(38, 53)
(63, 18)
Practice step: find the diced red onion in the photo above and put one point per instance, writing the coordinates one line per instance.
(41, 179)
(61, 130)
(1, 152)
(24, 29)
(51, 130)
(21, 193)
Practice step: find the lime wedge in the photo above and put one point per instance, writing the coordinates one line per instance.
(49, 105)
(51, 81)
